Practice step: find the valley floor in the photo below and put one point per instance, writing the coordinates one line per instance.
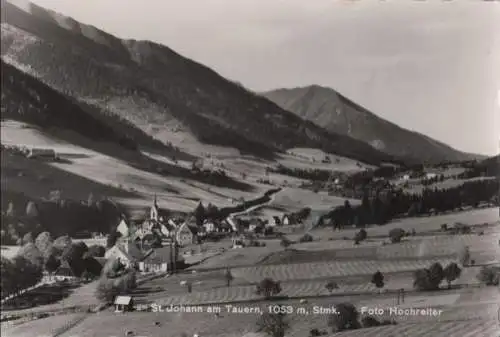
(303, 270)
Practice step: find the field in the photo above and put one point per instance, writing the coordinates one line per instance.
(459, 317)
(294, 199)
(130, 184)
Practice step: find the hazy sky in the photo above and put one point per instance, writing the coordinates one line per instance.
(427, 66)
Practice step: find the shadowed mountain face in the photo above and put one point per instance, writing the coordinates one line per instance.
(26, 99)
(327, 108)
(154, 88)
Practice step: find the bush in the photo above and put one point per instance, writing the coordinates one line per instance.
(360, 236)
(346, 318)
(315, 333)
(489, 275)
(268, 288)
(330, 286)
(285, 243)
(452, 272)
(370, 321)
(273, 324)
(378, 279)
(396, 235)
(306, 238)
(428, 279)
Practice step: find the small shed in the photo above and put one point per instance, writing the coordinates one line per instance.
(123, 303)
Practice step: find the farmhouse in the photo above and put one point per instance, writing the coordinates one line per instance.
(64, 272)
(126, 252)
(209, 226)
(430, 175)
(161, 259)
(186, 234)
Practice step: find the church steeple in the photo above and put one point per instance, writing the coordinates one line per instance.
(153, 215)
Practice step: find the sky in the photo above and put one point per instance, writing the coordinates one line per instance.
(426, 66)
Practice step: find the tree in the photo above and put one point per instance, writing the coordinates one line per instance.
(112, 238)
(452, 272)
(428, 279)
(199, 214)
(31, 254)
(229, 277)
(330, 286)
(52, 263)
(91, 267)
(421, 279)
(378, 279)
(463, 256)
(28, 273)
(360, 236)
(9, 277)
(73, 254)
(436, 274)
(306, 238)
(273, 324)
(113, 268)
(62, 242)
(268, 288)
(28, 238)
(396, 235)
(106, 291)
(489, 275)
(31, 210)
(345, 318)
(369, 322)
(44, 243)
(96, 251)
(285, 243)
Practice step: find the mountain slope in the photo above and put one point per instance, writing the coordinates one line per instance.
(155, 88)
(25, 99)
(336, 113)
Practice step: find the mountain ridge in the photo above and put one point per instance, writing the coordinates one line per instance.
(329, 109)
(151, 86)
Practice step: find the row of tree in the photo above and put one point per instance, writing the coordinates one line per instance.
(59, 217)
(386, 205)
(45, 254)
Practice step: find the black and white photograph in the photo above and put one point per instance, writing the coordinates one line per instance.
(250, 168)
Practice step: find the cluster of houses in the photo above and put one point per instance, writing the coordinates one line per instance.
(153, 244)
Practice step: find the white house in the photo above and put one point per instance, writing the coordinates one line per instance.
(64, 272)
(123, 228)
(161, 259)
(430, 175)
(185, 235)
(127, 252)
(209, 226)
